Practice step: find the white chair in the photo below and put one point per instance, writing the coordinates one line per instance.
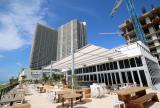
(104, 87)
(51, 96)
(56, 87)
(116, 103)
(94, 91)
(135, 84)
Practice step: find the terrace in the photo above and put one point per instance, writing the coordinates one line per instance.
(47, 96)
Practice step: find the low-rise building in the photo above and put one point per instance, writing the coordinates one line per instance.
(29, 74)
(124, 64)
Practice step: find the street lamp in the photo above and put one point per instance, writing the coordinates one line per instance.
(72, 54)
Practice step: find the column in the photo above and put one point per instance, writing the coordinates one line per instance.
(104, 78)
(97, 75)
(100, 77)
(141, 84)
(115, 77)
(107, 78)
(126, 77)
(146, 71)
(132, 76)
(83, 74)
(120, 77)
(111, 78)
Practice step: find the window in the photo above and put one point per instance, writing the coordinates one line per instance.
(146, 31)
(113, 78)
(111, 65)
(87, 77)
(156, 27)
(99, 77)
(132, 62)
(80, 78)
(75, 71)
(117, 76)
(126, 63)
(98, 67)
(124, 77)
(94, 68)
(87, 69)
(69, 72)
(95, 77)
(107, 66)
(106, 79)
(91, 77)
(104, 67)
(90, 69)
(102, 78)
(84, 70)
(115, 65)
(109, 79)
(135, 74)
(143, 77)
(121, 65)
(138, 61)
(80, 70)
(101, 67)
(129, 77)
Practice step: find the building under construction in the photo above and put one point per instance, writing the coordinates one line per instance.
(150, 22)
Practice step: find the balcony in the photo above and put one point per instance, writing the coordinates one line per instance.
(151, 46)
(150, 34)
(154, 52)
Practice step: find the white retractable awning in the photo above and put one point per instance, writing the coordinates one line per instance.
(88, 55)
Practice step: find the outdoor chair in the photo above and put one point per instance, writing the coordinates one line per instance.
(116, 103)
(51, 96)
(104, 87)
(135, 84)
(113, 89)
(94, 91)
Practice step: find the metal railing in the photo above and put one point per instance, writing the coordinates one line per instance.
(6, 89)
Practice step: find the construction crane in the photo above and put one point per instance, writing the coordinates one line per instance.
(135, 21)
(111, 33)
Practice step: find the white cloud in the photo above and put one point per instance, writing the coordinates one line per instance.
(17, 22)
(19, 64)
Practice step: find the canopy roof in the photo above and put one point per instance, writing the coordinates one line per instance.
(88, 55)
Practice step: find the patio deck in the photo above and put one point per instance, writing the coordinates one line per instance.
(40, 100)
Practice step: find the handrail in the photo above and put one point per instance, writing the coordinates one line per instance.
(6, 89)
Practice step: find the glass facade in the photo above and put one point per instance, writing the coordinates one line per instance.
(115, 72)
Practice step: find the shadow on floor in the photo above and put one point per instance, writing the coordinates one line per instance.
(76, 104)
(68, 106)
(84, 101)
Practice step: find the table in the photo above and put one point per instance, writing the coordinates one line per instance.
(130, 93)
(139, 103)
(80, 92)
(60, 93)
(70, 96)
(12, 98)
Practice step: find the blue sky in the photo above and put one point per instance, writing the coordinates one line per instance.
(19, 17)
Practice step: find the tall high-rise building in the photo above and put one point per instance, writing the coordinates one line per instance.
(44, 47)
(64, 37)
(150, 22)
